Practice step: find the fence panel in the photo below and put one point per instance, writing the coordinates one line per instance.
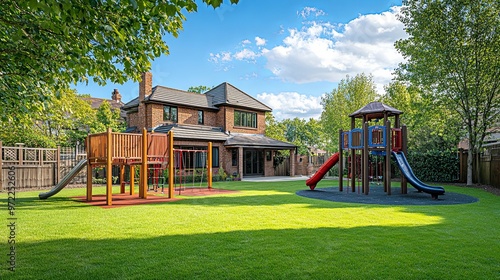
(40, 167)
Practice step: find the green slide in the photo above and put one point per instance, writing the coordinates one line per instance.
(65, 180)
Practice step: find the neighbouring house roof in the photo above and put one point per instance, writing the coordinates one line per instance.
(193, 132)
(227, 94)
(95, 103)
(375, 110)
(491, 139)
(223, 94)
(256, 141)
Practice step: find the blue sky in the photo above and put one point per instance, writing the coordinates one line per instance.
(286, 54)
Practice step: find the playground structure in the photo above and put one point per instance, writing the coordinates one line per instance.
(379, 141)
(152, 153)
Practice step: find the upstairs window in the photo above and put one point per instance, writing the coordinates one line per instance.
(246, 119)
(169, 113)
(200, 117)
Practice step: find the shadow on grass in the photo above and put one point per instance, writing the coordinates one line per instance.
(320, 253)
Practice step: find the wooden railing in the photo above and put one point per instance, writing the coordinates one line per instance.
(125, 147)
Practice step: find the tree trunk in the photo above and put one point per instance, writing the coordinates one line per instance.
(470, 158)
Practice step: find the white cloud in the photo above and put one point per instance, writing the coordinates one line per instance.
(329, 52)
(307, 11)
(260, 41)
(288, 105)
(321, 52)
(245, 54)
(220, 57)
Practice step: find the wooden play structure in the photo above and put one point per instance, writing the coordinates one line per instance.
(378, 140)
(145, 151)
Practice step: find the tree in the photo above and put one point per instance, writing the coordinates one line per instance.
(452, 52)
(106, 118)
(199, 89)
(304, 134)
(59, 122)
(423, 115)
(47, 45)
(350, 95)
(274, 128)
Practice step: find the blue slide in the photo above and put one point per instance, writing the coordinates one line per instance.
(414, 181)
(65, 180)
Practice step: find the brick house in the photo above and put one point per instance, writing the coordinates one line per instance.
(229, 118)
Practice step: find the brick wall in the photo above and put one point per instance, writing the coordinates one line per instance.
(220, 119)
(268, 164)
(155, 114)
(133, 119)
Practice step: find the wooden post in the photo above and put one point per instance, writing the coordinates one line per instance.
(364, 168)
(143, 184)
(404, 147)
(122, 175)
(58, 165)
(353, 160)
(109, 155)
(387, 169)
(132, 179)
(209, 165)
(89, 170)
(171, 164)
(341, 167)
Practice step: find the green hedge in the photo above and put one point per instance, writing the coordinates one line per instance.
(435, 166)
(430, 166)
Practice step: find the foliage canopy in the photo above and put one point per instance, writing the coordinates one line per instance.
(452, 52)
(47, 45)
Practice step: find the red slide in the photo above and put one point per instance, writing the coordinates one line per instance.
(311, 182)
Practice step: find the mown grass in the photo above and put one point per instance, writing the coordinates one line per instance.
(264, 231)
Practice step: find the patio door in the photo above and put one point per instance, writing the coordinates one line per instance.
(253, 161)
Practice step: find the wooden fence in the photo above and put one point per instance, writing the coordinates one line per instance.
(489, 166)
(38, 167)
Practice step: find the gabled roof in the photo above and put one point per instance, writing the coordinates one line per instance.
(131, 104)
(227, 94)
(168, 95)
(223, 94)
(180, 97)
(256, 141)
(375, 110)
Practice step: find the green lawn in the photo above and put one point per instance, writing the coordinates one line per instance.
(263, 232)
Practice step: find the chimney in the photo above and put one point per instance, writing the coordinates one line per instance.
(145, 89)
(116, 96)
(145, 85)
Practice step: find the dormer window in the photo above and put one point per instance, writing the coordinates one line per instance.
(169, 113)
